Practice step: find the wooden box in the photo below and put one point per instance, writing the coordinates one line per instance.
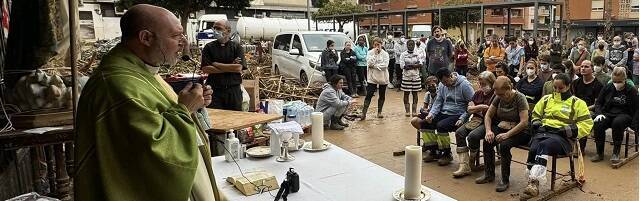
(42, 118)
(253, 88)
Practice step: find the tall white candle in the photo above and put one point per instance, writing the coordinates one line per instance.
(412, 172)
(317, 130)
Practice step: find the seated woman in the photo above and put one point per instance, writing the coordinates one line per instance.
(333, 103)
(531, 85)
(469, 131)
(505, 123)
(502, 69)
(614, 109)
(558, 119)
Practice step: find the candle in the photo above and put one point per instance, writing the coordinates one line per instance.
(412, 172)
(317, 130)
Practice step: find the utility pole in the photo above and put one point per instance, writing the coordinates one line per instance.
(308, 16)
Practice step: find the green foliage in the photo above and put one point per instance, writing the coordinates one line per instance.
(338, 7)
(456, 19)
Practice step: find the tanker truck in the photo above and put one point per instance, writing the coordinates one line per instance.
(267, 28)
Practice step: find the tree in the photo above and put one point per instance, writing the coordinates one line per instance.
(456, 19)
(338, 7)
(182, 8)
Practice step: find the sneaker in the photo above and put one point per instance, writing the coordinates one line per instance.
(597, 158)
(485, 179)
(445, 159)
(615, 158)
(502, 186)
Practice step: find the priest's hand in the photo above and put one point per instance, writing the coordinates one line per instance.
(191, 97)
(206, 94)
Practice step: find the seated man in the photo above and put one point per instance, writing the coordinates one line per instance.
(558, 119)
(615, 108)
(504, 123)
(446, 115)
(333, 103)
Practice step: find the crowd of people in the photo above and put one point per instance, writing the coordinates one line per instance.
(532, 92)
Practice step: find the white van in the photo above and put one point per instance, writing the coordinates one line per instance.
(297, 54)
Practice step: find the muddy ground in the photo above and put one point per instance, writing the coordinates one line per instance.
(376, 140)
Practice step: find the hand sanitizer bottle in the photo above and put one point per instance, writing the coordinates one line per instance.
(233, 147)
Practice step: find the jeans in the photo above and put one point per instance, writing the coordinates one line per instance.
(371, 89)
(617, 124)
(504, 148)
(361, 74)
(546, 146)
(473, 136)
(392, 63)
(350, 76)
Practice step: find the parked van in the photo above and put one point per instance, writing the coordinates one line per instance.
(297, 53)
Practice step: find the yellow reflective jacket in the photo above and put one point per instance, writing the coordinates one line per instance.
(553, 112)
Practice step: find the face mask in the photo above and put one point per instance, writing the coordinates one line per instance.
(597, 69)
(530, 42)
(403, 40)
(431, 89)
(558, 42)
(616, 43)
(531, 72)
(599, 37)
(217, 34)
(619, 86)
(486, 88)
(389, 36)
(553, 76)
(544, 67)
(488, 42)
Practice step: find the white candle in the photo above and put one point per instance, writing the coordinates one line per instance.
(412, 172)
(317, 130)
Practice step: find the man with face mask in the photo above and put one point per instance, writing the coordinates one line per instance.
(615, 108)
(448, 112)
(557, 120)
(398, 49)
(617, 54)
(580, 53)
(545, 68)
(556, 52)
(389, 45)
(134, 134)
(599, 70)
(223, 59)
(595, 44)
(493, 54)
(439, 51)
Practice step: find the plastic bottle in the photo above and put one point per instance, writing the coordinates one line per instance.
(233, 147)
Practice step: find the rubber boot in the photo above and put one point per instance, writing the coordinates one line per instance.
(599, 152)
(531, 190)
(341, 122)
(489, 172)
(365, 107)
(463, 168)
(473, 158)
(334, 124)
(446, 157)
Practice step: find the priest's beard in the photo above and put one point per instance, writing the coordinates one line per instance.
(168, 61)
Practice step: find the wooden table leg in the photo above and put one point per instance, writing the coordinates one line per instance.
(69, 149)
(62, 180)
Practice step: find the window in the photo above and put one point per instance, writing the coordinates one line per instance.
(597, 5)
(297, 44)
(85, 15)
(516, 12)
(318, 42)
(108, 10)
(282, 42)
(497, 12)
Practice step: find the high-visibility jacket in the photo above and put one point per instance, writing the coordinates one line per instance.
(553, 112)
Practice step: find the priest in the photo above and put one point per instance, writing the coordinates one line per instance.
(136, 139)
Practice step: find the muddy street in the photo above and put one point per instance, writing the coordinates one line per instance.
(376, 139)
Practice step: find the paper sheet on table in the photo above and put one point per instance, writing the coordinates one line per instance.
(42, 130)
(291, 126)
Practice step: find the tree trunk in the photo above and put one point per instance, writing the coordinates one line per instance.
(184, 21)
(463, 34)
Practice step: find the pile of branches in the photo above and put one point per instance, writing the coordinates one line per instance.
(280, 87)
